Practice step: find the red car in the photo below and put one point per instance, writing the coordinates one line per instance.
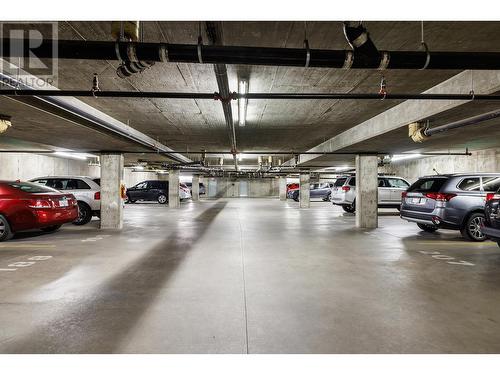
(292, 186)
(24, 206)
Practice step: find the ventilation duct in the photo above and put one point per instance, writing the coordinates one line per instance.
(416, 131)
(4, 123)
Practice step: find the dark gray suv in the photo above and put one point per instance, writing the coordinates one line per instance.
(452, 201)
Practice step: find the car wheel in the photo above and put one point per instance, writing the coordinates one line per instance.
(84, 214)
(472, 227)
(296, 197)
(349, 207)
(427, 228)
(52, 228)
(326, 198)
(5, 231)
(162, 199)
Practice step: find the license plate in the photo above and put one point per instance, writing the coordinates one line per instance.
(63, 203)
(416, 200)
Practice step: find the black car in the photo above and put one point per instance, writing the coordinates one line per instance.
(152, 190)
(491, 225)
(190, 186)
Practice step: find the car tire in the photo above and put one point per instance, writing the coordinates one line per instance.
(162, 199)
(326, 198)
(51, 229)
(5, 231)
(427, 228)
(296, 197)
(84, 214)
(471, 230)
(350, 208)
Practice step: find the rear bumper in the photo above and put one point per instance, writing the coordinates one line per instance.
(432, 218)
(491, 233)
(47, 218)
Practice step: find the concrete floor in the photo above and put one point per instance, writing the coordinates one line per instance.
(248, 276)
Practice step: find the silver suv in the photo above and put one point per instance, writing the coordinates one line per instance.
(86, 190)
(452, 201)
(390, 189)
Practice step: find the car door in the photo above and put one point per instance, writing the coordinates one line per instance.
(314, 191)
(398, 186)
(384, 191)
(79, 188)
(137, 192)
(153, 190)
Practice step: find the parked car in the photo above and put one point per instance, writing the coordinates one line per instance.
(389, 192)
(25, 206)
(292, 186)
(184, 192)
(86, 190)
(491, 227)
(152, 190)
(452, 201)
(316, 190)
(202, 188)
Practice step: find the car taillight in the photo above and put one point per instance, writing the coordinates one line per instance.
(491, 196)
(40, 203)
(97, 195)
(346, 188)
(403, 194)
(440, 197)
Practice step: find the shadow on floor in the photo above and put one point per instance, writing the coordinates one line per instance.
(100, 321)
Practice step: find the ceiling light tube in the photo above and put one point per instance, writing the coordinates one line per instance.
(242, 103)
(405, 157)
(71, 155)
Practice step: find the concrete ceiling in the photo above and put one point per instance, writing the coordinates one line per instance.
(192, 125)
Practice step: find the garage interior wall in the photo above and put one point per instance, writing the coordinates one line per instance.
(20, 166)
(479, 161)
(222, 187)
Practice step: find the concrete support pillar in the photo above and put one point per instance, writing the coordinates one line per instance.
(111, 182)
(195, 188)
(282, 188)
(173, 189)
(304, 193)
(366, 191)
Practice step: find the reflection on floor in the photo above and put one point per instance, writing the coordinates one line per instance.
(248, 276)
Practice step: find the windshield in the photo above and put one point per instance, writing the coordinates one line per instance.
(425, 185)
(28, 187)
(340, 182)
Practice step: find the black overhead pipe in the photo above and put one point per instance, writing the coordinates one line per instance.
(216, 54)
(461, 123)
(236, 96)
(214, 32)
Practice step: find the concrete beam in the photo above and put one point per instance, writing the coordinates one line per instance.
(282, 189)
(195, 188)
(305, 190)
(366, 191)
(111, 182)
(485, 82)
(173, 189)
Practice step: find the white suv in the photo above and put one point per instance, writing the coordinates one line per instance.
(86, 190)
(390, 189)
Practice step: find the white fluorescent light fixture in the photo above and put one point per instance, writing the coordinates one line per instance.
(139, 167)
(75, 155)
(399, 157)
(240, 157)
(242, 103)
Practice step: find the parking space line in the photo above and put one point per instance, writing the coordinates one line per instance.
(27, 246)
(8, 269)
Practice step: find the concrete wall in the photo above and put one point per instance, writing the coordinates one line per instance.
(480, 161)
(223, 187)
(19, 166)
